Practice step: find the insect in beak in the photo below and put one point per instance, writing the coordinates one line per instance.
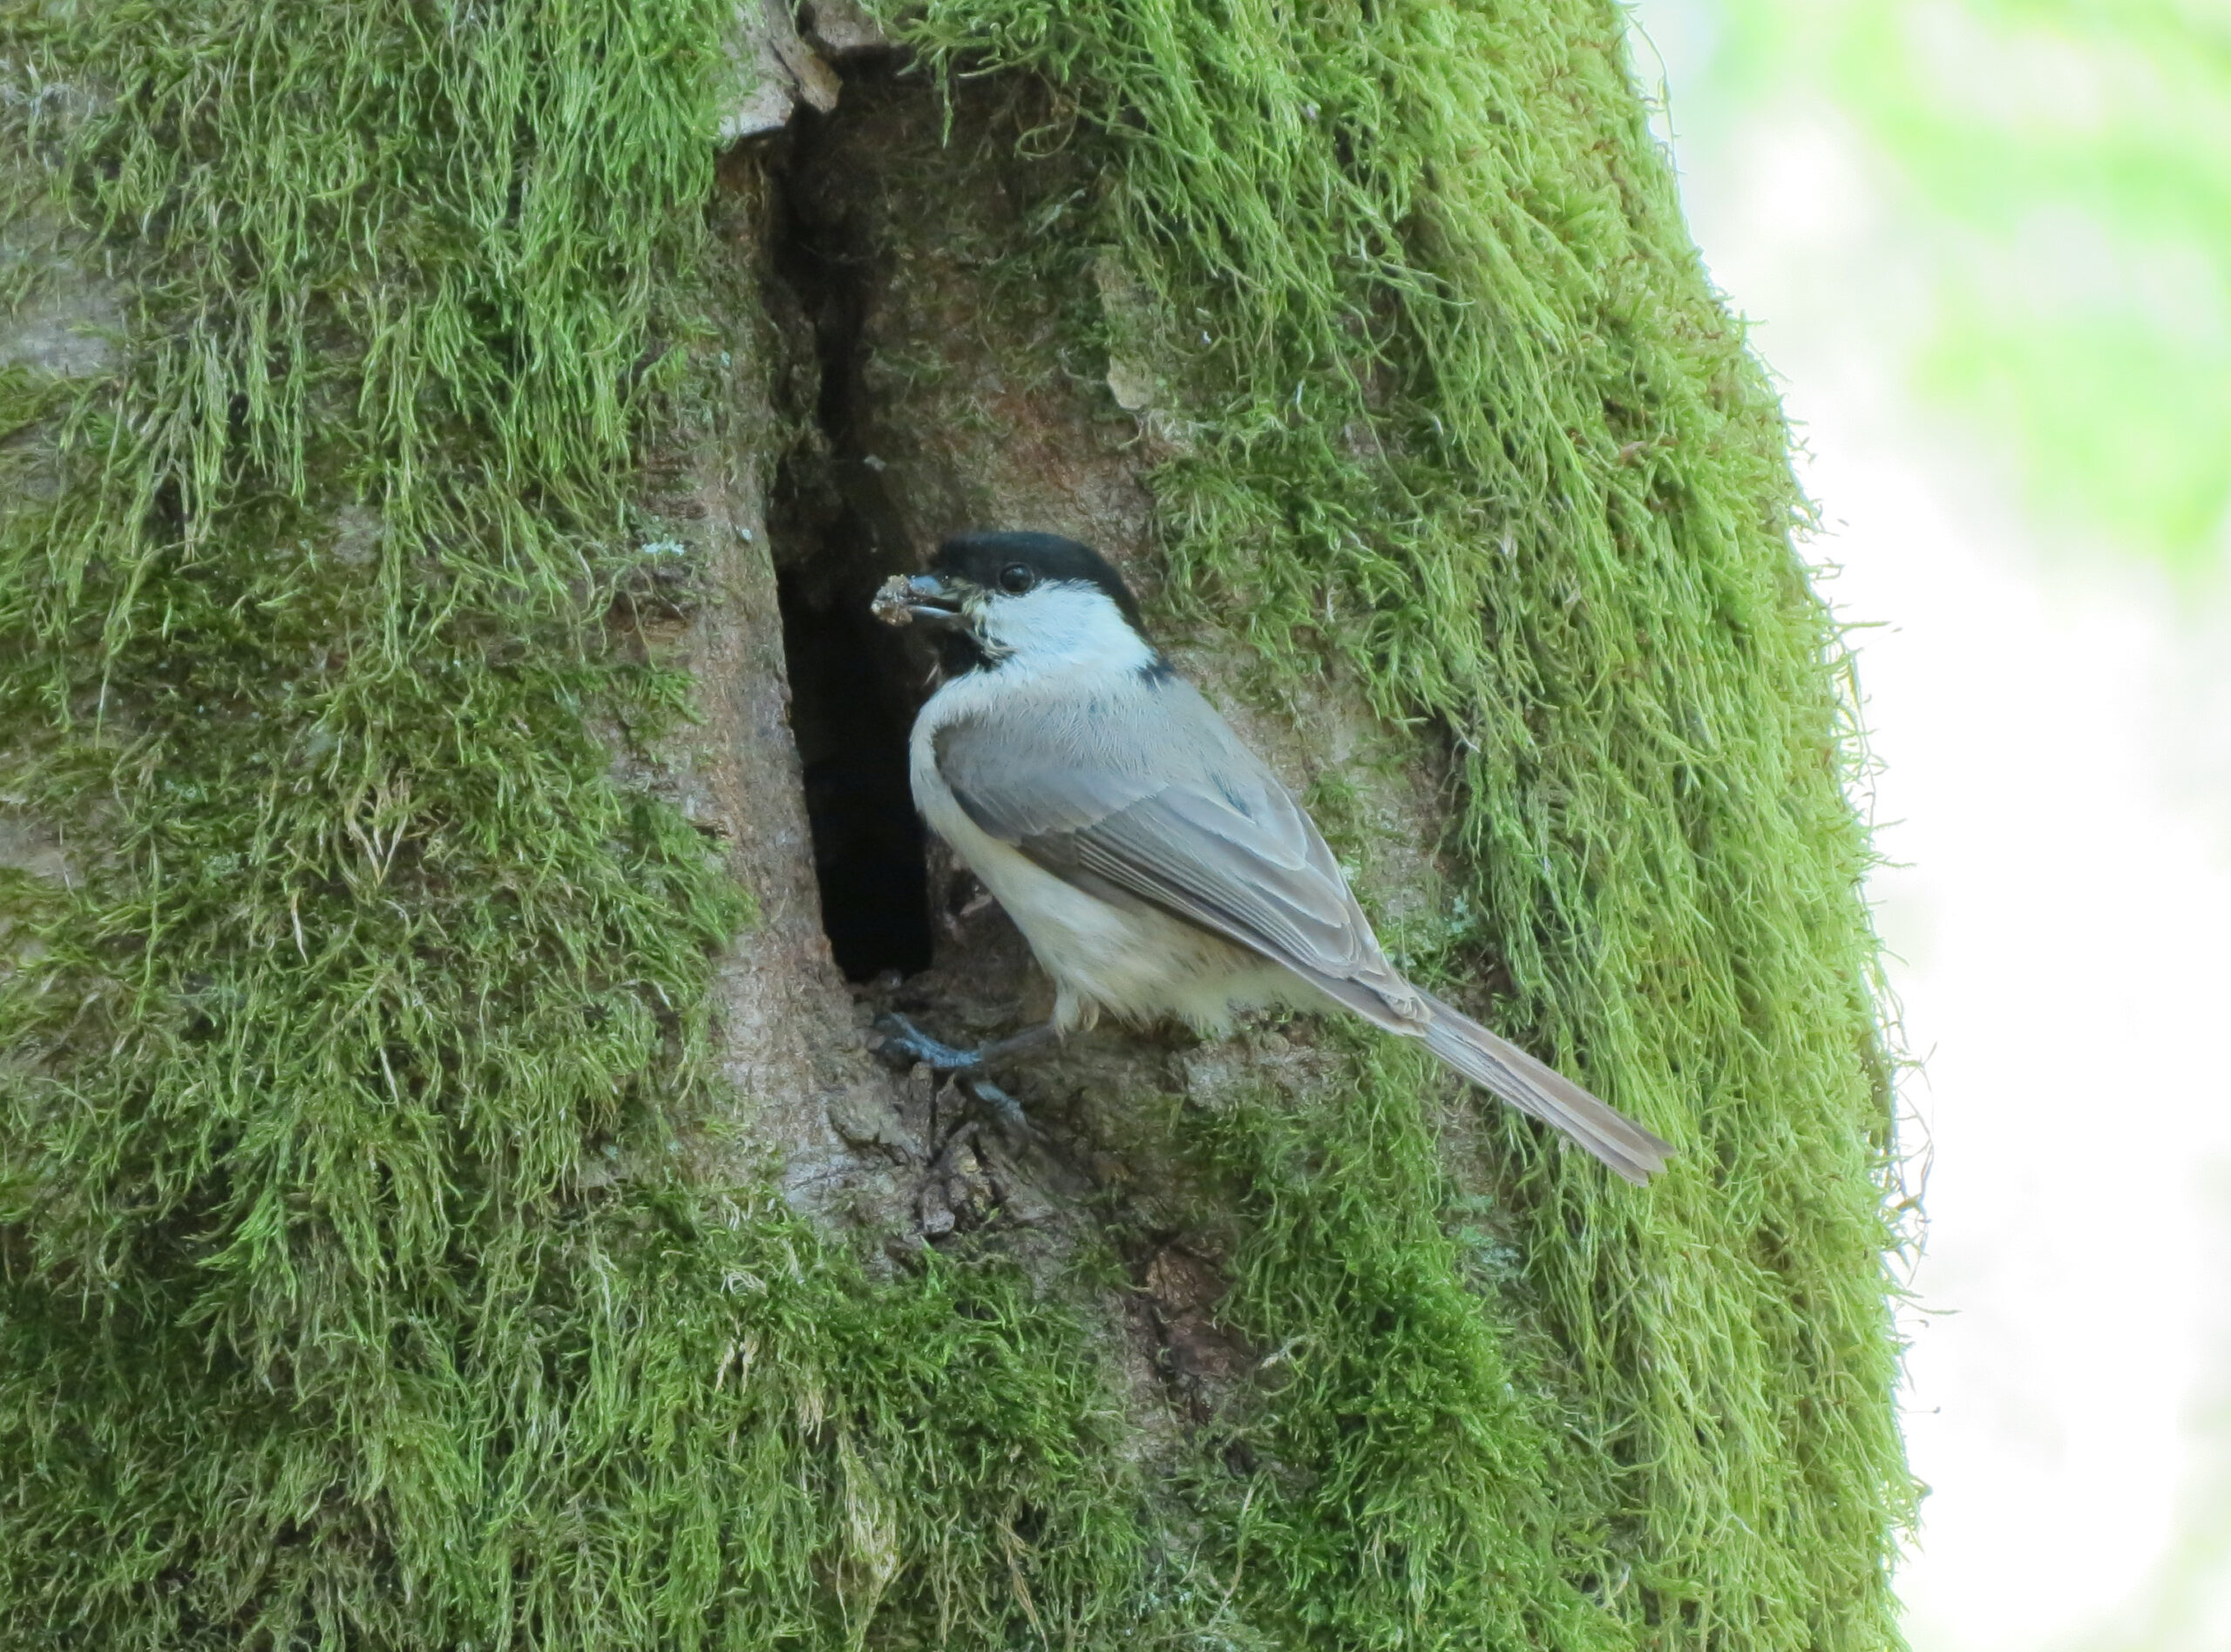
(921, 598)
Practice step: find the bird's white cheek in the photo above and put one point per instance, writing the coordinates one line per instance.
(1065, 627)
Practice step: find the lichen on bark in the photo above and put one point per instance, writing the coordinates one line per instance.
(445, 1194)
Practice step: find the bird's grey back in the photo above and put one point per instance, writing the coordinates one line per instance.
(1141, 785)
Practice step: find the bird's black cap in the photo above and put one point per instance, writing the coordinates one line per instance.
(979, 558)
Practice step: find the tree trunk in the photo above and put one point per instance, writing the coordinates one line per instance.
(457, 846)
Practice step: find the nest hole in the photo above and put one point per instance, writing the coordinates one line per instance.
(855, 684)
(850, 718)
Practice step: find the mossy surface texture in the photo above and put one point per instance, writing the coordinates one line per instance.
(318, 1329)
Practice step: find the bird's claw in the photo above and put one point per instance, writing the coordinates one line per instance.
(1004, 1110)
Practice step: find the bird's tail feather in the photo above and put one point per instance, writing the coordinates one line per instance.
(1532, 1087)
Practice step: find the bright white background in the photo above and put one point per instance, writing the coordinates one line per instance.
(2050, 704)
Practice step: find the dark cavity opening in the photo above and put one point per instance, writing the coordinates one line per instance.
(854, 687)
(851, 738)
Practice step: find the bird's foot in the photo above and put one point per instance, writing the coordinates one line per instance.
(906, 1045)
(1003, 1109)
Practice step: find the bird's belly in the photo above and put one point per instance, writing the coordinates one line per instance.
(1131, 961)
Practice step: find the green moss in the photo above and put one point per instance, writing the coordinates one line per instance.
(669, 1425)
(1402, 1475)
(321, 1324)
(302, 652)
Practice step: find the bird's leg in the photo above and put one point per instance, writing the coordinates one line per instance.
(904, 1045)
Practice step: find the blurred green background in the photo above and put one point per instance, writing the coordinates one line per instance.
(2067, 170)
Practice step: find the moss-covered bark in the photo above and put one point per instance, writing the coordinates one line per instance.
(445, 1196)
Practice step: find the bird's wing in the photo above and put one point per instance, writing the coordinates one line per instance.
(1164, 803)
(1154, 798)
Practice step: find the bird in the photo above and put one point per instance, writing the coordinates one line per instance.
(1155, 864)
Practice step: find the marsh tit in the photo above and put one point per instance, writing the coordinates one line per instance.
(1155, 864)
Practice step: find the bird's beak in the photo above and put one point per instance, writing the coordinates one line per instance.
(932, 601)
(921, 599)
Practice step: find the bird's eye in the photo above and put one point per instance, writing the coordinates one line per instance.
(1016, 577)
